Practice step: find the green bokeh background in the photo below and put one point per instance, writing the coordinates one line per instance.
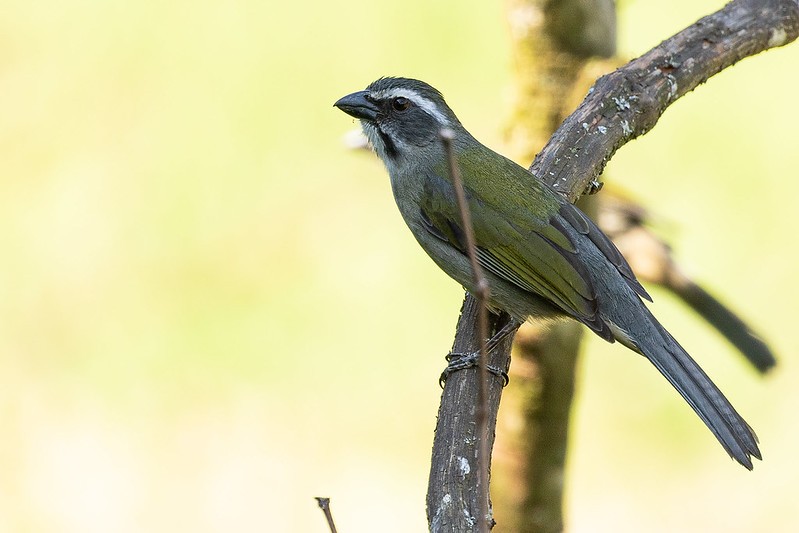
(210, 310)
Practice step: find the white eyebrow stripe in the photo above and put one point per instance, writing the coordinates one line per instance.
(426, 105)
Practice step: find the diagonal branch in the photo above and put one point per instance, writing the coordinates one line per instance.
(627, 103)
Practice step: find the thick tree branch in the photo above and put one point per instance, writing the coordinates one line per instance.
(455, 489)
(622, 106)
(627, 103)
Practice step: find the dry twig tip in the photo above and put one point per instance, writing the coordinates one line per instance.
(324, 505)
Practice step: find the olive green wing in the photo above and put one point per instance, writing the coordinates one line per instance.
(536, 252)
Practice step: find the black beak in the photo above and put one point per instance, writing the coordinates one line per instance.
(358, 105)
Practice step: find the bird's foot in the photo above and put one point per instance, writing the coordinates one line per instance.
(461, 361)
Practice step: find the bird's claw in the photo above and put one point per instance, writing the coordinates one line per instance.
(593, 187)
(461, 361)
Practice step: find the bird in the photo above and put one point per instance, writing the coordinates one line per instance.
(543, 258)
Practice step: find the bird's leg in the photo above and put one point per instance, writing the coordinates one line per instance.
(509, 328)
(461, 361)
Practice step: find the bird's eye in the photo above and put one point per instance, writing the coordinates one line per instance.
(400, 104)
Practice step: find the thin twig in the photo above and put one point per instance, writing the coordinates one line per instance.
(324, 505)
(481, 292)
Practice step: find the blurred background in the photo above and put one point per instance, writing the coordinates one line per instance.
(211, 312)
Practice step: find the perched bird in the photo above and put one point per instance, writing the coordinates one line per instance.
(543, 257)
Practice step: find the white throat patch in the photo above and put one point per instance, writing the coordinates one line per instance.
(420, 101)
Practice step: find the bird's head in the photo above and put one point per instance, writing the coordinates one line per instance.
(402, 118)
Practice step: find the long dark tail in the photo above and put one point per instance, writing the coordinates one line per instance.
(695, 386)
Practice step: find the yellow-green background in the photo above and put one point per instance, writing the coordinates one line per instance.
(211, 312)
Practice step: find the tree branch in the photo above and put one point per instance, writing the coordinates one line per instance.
(454, 491)
(652, 261)
(627, 103)
(622, 106)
